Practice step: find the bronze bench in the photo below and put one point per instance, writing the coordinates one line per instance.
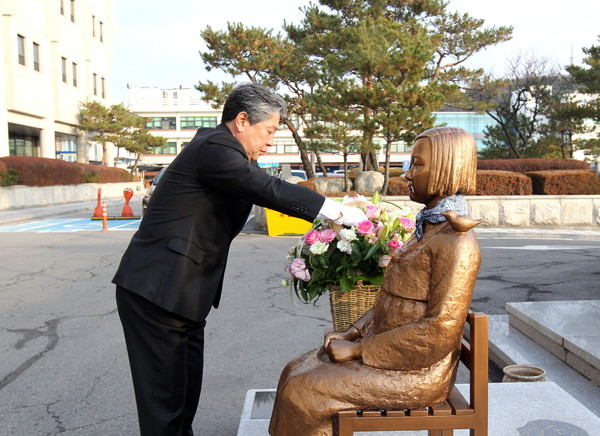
(454, 413)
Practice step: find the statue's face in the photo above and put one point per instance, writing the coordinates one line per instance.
(418, 174)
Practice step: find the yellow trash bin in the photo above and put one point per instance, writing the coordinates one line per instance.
(281, 224)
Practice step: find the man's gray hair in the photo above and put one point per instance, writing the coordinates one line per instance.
(257, 101)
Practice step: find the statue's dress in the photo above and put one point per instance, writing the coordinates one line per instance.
(410, 345)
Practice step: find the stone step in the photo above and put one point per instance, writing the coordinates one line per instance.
(570, 330)
(508, 346)
(514, 408)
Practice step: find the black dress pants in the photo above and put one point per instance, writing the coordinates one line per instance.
(166, 358)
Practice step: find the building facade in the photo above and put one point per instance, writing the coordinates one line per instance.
(55, 54)
(176, 114)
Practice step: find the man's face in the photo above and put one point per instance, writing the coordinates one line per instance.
(255, 138)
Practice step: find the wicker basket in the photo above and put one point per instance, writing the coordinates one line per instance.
(347, 307)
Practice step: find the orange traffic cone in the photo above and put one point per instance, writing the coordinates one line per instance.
(98, 210)
(127, 211)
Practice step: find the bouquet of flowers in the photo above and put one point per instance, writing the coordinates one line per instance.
(330, 254)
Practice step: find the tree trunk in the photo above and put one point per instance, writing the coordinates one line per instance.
(117, 156)
(320, 164)
(386, 173)
(310, 173)
(104, 154)
(345, 172)
(135, 164)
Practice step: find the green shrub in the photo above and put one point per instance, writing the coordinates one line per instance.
(39, 171)
(527, 165)
(397, 186)
(502, 183)
(91, 177)
(8, 176)
(565, 182)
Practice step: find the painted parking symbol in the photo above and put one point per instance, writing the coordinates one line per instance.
(71, 225)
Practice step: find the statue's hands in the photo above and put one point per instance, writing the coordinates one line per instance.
(343, 351)
(349, 335)
(334, 336)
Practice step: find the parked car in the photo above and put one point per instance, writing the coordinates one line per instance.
(299, 173)
(150, 190)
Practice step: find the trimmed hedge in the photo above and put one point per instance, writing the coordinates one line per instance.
(397, 186)
(527, 165)
(40, 171)
(565, 182)
(502, 183)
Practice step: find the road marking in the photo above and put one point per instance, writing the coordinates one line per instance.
(71, 225)
(548, 247)
(65, 225)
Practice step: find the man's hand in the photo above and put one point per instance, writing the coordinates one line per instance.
(351, 216)
(343, 351)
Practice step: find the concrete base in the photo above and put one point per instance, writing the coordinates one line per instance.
(570, 330)
(514, 409)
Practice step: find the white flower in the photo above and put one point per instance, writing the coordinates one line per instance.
(347, 235)
(403, 211)
(319, 247)
(355, 200)
(344, 246)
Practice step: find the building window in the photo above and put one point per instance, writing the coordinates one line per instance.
(94, 26)
(162, 123)
(74, 74)
(169, 148)
(63, 64)
(66, 147)
(95, 83)
(398, 147)
(73, 11)
(21, 48)
(192, 123)
(20, 145)
(36, 56)
(103, 88)
(101, 29)
(284, 146)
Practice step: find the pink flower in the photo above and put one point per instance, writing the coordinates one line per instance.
(298, 270)
(372, 211)
(408, 224)
(311, 237)
(365, 227)
(384, 260)
(394, 245)
(327, 236)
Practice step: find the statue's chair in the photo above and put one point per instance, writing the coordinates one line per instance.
(454, 413)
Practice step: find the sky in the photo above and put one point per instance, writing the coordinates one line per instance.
(158, 46)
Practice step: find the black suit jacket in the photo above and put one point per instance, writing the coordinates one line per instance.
(177, 257)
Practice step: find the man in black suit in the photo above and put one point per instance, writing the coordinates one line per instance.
(172, 272)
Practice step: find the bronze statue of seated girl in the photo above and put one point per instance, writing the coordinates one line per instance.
(403, 353)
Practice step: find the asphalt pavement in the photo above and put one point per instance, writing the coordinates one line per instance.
(64, 367)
